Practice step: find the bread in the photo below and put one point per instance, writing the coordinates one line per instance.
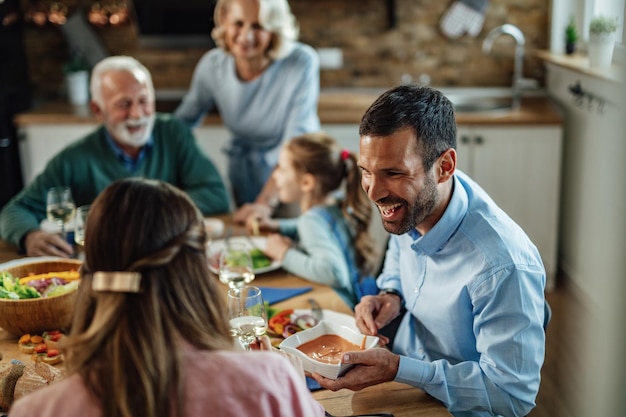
(47, 372)
(43, 348)
(25, 345)
(9, 377)
(17, 380)
(28, 382)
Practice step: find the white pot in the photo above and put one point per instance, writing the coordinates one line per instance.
(78, 87)
(600, 50)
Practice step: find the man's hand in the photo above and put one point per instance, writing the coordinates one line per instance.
(373, 366)
(40, 243)
(376, 311)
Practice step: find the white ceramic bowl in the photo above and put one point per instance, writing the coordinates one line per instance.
(214, 227)
(332, 371)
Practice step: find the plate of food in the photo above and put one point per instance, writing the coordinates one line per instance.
(260, 262)
(284, 323)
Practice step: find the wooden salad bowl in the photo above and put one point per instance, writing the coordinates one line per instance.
(37, 315)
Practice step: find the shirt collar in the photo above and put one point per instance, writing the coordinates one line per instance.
(130, 163)
(452, 217)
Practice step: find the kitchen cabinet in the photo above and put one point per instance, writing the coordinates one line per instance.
(519, 167)
(40, 142)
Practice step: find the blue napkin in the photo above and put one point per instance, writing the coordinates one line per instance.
(274, 295)
(312, 384)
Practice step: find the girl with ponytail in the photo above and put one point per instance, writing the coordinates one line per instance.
(329, 242)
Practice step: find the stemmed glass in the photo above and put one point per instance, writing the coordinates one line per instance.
(235, 268)
(246, 314)
(60, 206)
(79, 225)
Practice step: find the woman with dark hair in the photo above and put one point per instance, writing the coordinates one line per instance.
(150, 336)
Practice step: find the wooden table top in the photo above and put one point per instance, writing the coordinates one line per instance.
(399, 399)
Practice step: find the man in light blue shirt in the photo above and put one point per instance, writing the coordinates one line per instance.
(470, 279)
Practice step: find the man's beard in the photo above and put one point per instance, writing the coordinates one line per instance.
(121, 133)
(421, 208)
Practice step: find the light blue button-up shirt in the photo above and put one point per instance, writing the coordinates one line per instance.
(473, 334)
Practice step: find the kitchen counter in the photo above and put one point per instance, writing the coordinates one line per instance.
(336, 106)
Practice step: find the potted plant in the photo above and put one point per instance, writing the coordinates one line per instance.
(600, 51)
(76, 73)
(571, 36)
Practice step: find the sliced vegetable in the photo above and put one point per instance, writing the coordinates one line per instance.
(62, 289)
(290, 329)
(306, 321)
(285, 323)
(66, 275)
(52, 353)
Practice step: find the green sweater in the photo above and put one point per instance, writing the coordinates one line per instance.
(89, 165)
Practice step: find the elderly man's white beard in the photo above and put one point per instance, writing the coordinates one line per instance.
(120, 131)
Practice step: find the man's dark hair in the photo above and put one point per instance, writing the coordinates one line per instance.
(426, 110)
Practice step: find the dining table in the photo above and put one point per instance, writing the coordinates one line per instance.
(400, 400)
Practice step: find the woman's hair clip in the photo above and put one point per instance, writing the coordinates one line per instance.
(116, 281)
(345, 154)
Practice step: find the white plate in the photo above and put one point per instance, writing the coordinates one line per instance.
(260, 242)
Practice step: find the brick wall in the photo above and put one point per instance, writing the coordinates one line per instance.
(374, 54)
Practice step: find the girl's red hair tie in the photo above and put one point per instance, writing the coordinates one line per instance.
(345, 154)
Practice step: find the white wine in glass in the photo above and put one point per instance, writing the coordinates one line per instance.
(246, 314)
(236, 265)
(60, 206)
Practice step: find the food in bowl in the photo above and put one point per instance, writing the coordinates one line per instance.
(328, 348)
(40, 314)
(318, 358)
(48, 284)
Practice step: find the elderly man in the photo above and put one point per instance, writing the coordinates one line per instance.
(470, 280)
(132, 141)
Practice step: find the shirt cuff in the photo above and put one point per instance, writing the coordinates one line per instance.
(414, 372)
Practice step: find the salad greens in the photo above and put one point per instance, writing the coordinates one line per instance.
(259, 259)
(11, 288)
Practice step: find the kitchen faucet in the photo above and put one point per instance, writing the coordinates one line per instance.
(519, 82)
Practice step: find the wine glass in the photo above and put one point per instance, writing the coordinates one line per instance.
(60, 206)
(236, 265)
(246, 314)
(79, 225)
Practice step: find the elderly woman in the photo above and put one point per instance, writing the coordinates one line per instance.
(265, 85)
(150, 334)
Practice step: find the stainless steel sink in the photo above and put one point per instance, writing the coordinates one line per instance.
(473, 104)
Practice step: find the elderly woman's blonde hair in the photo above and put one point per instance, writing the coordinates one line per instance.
(274, 15)
(118, 63)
